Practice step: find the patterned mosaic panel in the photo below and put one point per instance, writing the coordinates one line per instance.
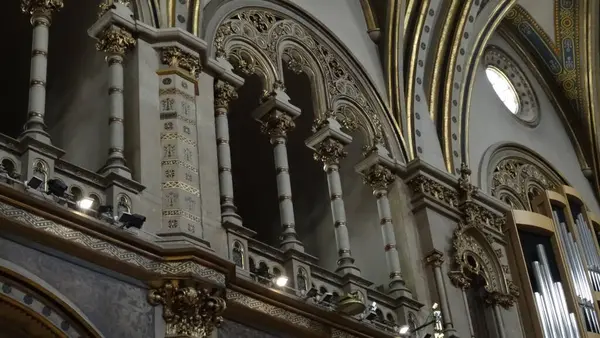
(179, 156)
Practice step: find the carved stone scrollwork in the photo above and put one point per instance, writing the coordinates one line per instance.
(43, 7)
(330, 152)
(429, 187)
(177, 58)
(277, 125)
(224, 94)
(115, 41)
(188, 310)
(379, 177)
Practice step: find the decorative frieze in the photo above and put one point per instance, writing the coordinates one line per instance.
(433, 189)
(189, 310)
(175, 57)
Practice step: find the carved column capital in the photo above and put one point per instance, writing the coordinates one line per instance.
(330, 151)
(435, 258)
(188, 310)
(378, 177)
(177, 58)
(107, 5)
(115, 41)
(277, 125)
(41, 7)
(224, 94)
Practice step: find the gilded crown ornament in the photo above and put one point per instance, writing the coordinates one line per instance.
(177, 58)
(330, 151)
(224, 94)
(188, 310)
(115, 41)
(44, 7)
(277, 125)
(378, 177)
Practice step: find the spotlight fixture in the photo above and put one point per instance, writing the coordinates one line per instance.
(327, 297)
(105, 210)
(434, 306)
(403, 329)
(56, 187)
(85, 203)
(132, 220)
(281, 281)
(312, 293)
(34, 183)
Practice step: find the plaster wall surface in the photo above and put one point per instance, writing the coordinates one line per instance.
(491, 123)
(117, 308)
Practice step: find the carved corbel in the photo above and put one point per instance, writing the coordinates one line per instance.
(189, 310)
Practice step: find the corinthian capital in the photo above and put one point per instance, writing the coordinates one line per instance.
(378, 177)
(43, 7)
(115, 41)
(188, 311)
(435, 258)
(177, 58)
(330, 151)
(277, 125)
(224, 94)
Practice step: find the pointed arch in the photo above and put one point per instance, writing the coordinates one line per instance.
(44, 306)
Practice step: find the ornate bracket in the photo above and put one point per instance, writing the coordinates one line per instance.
(189, 310)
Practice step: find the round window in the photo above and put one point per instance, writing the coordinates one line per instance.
(503, 88)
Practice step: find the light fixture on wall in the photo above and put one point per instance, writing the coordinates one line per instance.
(56, 187)
(85, 203)
(435, 316)
(280, 281)
(34, 183)
(132, 220)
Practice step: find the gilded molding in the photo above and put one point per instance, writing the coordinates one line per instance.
(115, 41)
(330, 151)
(189, 310)
(175, 57)
(41, 7)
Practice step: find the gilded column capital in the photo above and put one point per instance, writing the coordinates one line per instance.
(277, 125)
(115, 41)
(378, 177)
(224, 94)
(41, 7)
(177, 58)
(435, 258)
(107, 5)
(188, 310)
(330, 151)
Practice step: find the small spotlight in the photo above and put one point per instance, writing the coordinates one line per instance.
(434, 306)
(105, 210)
(281, 281)
(85, 203)
(311, 293)
(132, 220)
(34, 183)
(403, 329)
(327, 297)
(56, 187)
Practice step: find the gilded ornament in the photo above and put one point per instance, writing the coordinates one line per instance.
(177, 58)
(188, 310)
(330, 151)
(277, 125)
(378, 177)
(115, 41)
(323, 121)
(44, 7)
(224, 94)
(107, 5)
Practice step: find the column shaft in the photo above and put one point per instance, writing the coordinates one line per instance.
(116, 129)
(439, 281)
(389, 240)
(499, 321)
(284, 191)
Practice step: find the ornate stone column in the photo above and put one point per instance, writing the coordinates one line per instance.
(499, 321)
(224, 94)
(376, 169)
(189, 310)
(328, 143)
(116, 42)
(436, 259)
(276, 116)
(41, 18)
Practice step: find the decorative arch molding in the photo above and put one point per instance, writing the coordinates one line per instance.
(513, 174)
(260, 37)
(43, 306)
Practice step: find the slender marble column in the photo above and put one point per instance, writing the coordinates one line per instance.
(276, 125)
(41, 18)
(499, 321)
(380, 178)
(116, 42)
(330, 150)
(224, 94)
(436, 259)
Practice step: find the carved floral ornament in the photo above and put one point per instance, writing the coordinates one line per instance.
(259, 42)
(177, 58)
(115, 41)
(43, 7)
(224, 94)
(188, 309)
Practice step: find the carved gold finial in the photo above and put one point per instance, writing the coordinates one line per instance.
(188, 310)
(44, 7)
(330, 151)
(378, 177)
(277, 125)
(115, 41)
(177, 58)
(224, 94)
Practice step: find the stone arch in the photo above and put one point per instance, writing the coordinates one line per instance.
(342, 77)
(30, 300)
(512, 171)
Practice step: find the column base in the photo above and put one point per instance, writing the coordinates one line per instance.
(346, 267)
(39, 135)
(115, 169)
(292, 244)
